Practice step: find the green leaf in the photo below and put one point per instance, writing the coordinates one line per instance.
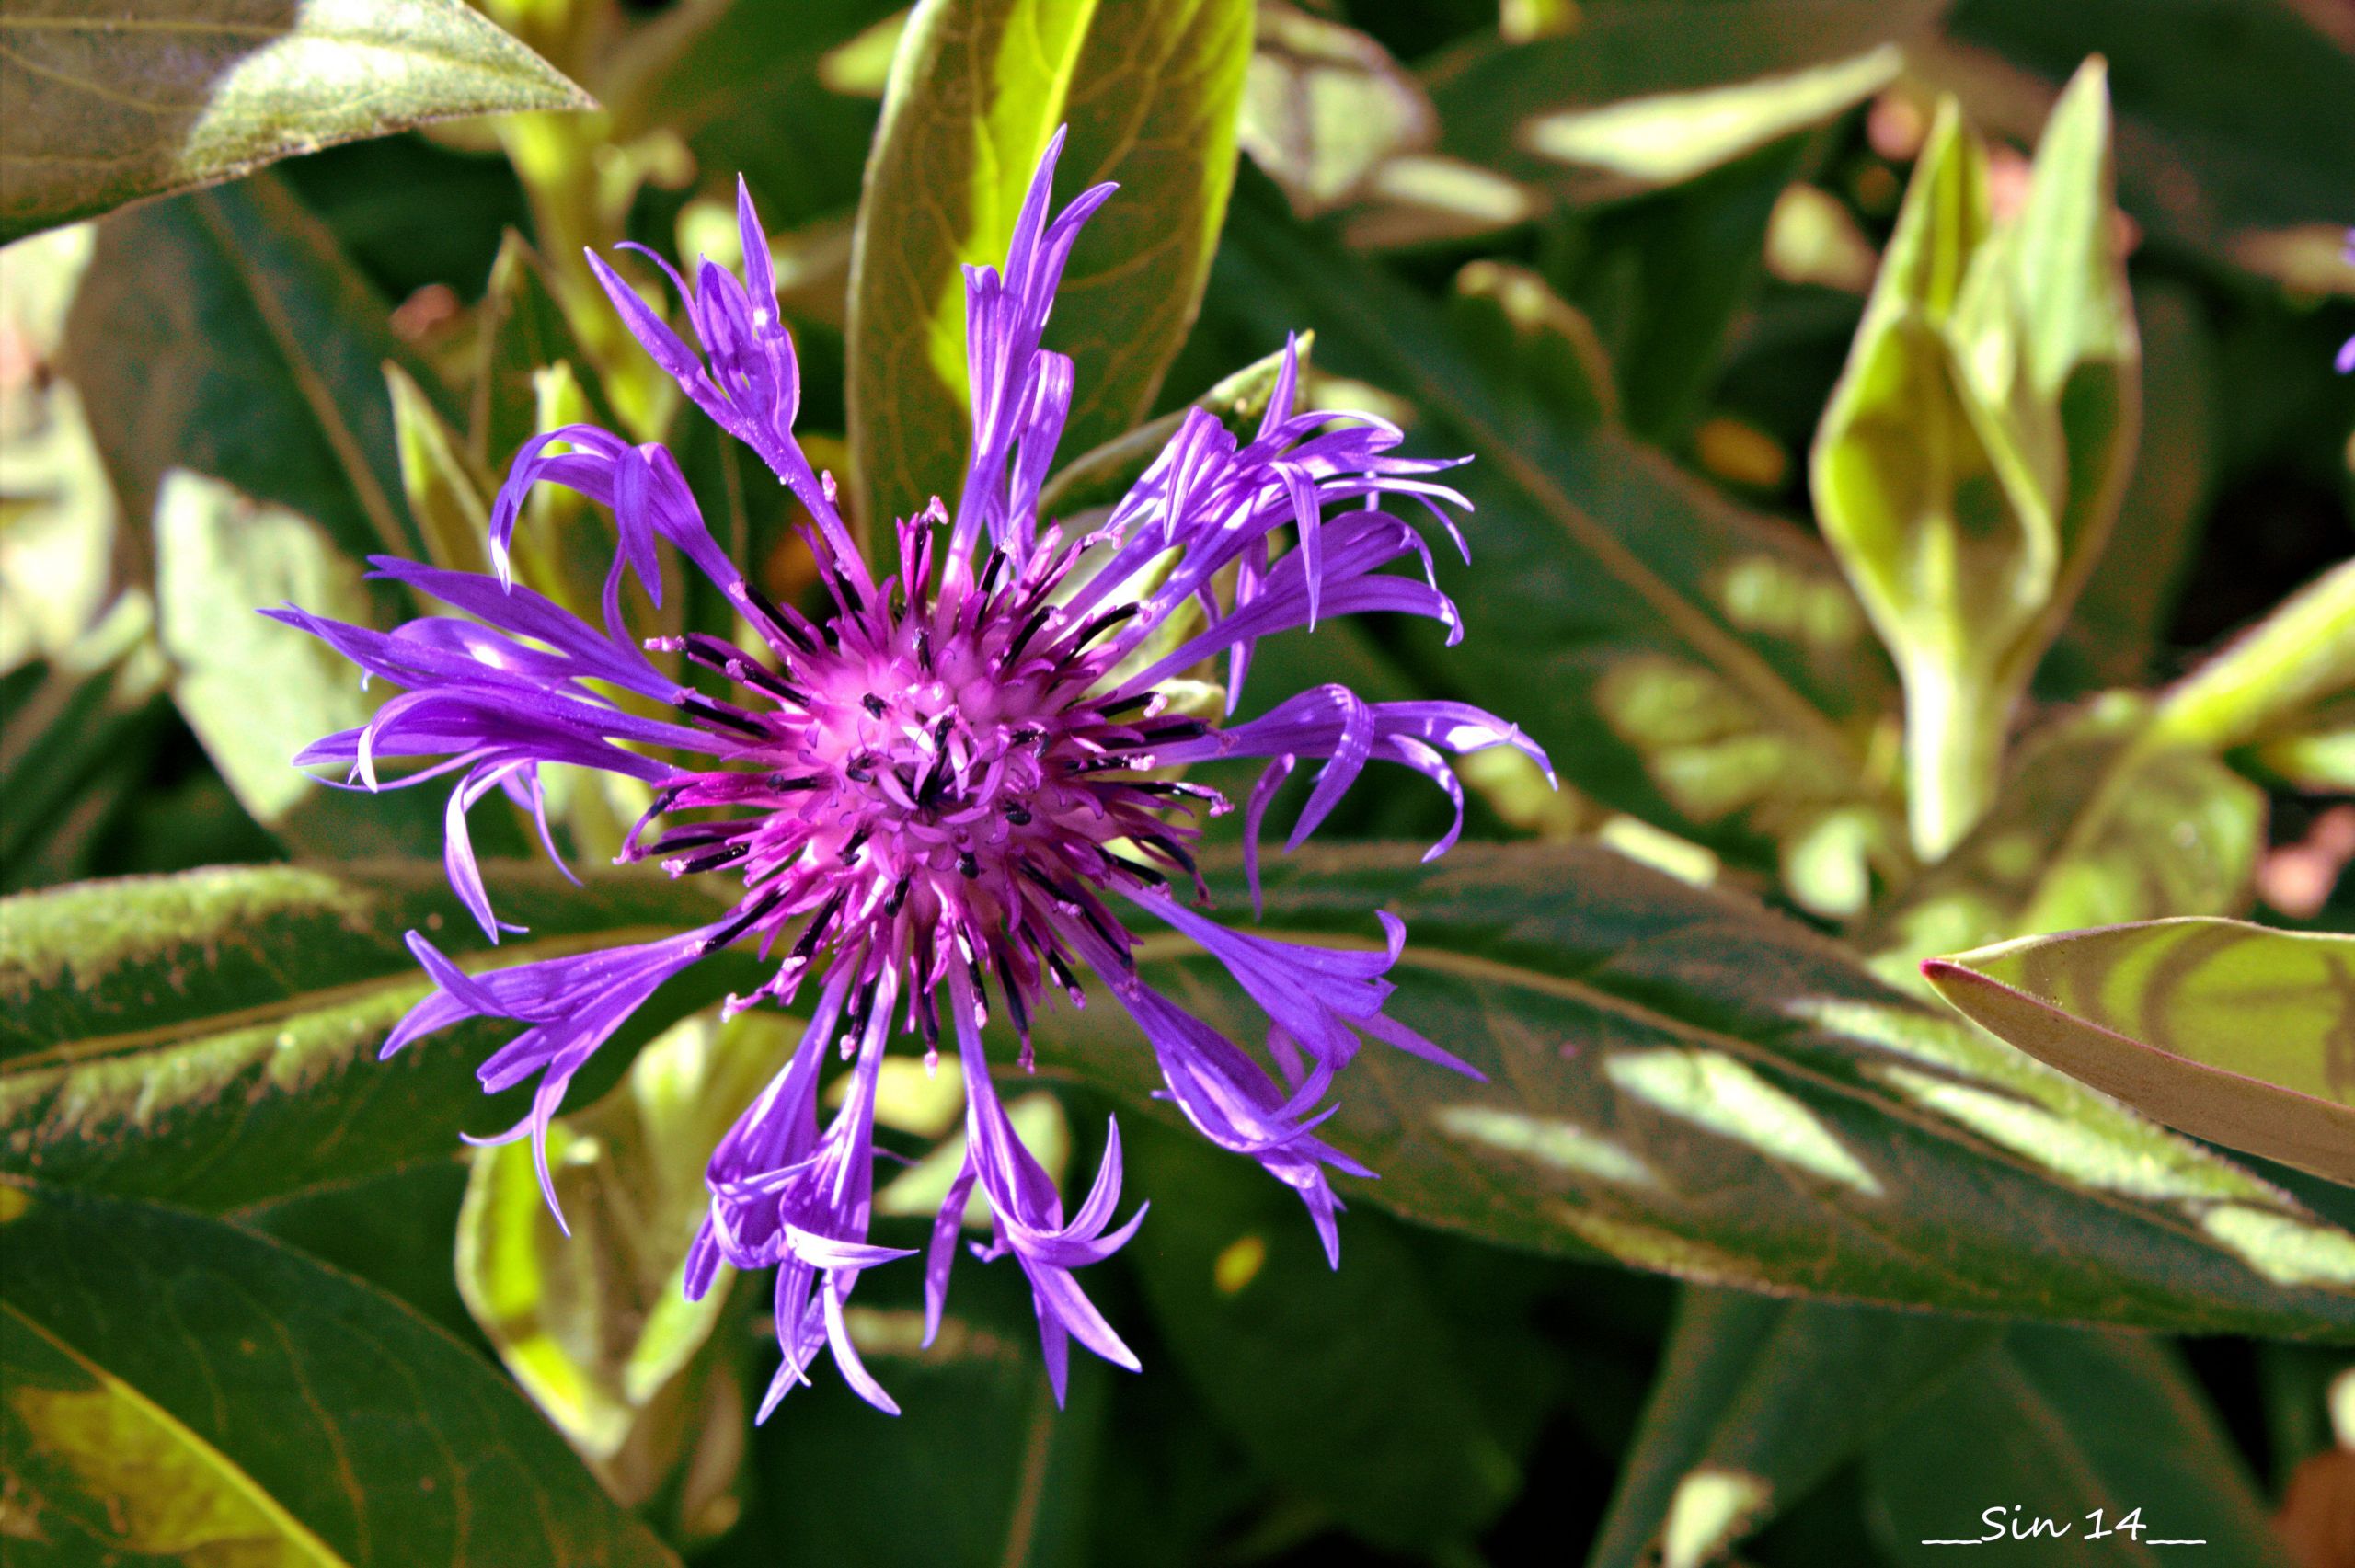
(2231, 1031)
(1149, 89)
(1284, 1348)
(752, 86)
(1973, 454)
(2300, 658)
(223, 333)
(1666, 276)
(2104, 820)
(1756, 1401)
(2054, 1423)
(596, 1325)
(183, 1390)
(1684, 659)
(1325, 106)
(222, 558)
(1684, 1083)
(105, 109)
(2122, 811)
(212, 1036)
(1644, 95)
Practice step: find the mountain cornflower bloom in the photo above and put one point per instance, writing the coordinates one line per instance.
(944, 796)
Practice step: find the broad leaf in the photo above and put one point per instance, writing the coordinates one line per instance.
(1282, 1349)
(1971, 459)
(183, 1390)
(1756, 1401)
(2242, 1036)
(2054, 1425)
(106, 107)
(1149, 89)
(212, 1036)
(1684, 659)
(1687, 1083)
(1647, 92)
(223, 333)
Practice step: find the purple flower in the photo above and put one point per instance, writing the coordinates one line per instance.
(942, 792)
(2347, 350)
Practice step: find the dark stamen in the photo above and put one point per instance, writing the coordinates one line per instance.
(815, 931)
(747, 918)
(1097, 627)
(715, 860)
(968, 865)
(1136, 868)
(713, 713)
(899, 896)
(851, 845)
(872, 704)
(1016, 815)
(775, 617)
(1028, 630)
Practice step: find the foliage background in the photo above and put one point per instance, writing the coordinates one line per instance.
(1619, 253)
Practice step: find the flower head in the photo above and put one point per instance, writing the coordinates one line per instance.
(946, 793)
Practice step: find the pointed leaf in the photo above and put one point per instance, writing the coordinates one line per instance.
(1639, 96)
(2236, 1034)
(104, 109)
(225, 333)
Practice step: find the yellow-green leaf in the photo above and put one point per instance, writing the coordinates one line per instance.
(1973, 454)
(1149, 89)
(2239, 1033)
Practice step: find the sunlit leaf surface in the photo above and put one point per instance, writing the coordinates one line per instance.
(101, 109)
(2242, 1036)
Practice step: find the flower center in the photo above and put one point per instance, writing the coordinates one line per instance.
(932, 781)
